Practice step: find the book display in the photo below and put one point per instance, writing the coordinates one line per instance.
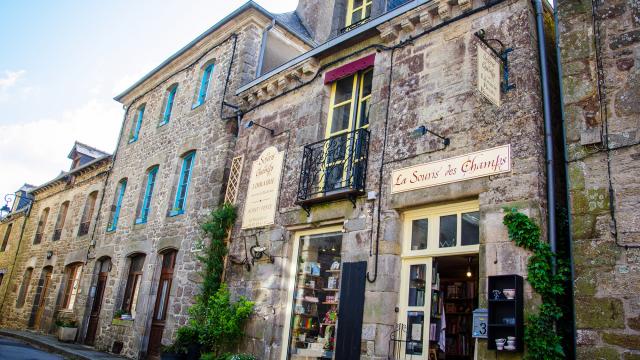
(316, 300)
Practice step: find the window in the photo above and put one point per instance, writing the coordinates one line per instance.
(62, 216)
(87, 213)
(135, 129)
(24, 287)
(148, 192)
(1, 278)
(183, 184)
(73, 284)
(171, 95)
(113, 223)
(41, 225)
(164, 286)
(133, 284)
(204, 84)
(358, 10)
(349, 112)
(5, 240)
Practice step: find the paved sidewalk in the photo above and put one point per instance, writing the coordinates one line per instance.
(51, 344)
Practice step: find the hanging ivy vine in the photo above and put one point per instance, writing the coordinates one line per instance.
(540, 335)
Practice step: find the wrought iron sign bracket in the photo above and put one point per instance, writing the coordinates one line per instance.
(307, 209)
(503, 55)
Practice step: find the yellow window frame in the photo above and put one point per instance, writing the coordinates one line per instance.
(362, 9)
(358, 84)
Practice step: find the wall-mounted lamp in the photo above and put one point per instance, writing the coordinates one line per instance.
(6, 209)
(251, 123)
(423, 130)
(49, 254)
(469, 273)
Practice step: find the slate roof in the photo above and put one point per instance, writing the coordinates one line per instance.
(87, 150)
(292, 21)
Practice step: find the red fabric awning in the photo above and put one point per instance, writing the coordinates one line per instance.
(349, 69)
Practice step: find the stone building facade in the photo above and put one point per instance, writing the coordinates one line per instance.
(599, 48)
(168, 174)
(421, 62)
(51, 251)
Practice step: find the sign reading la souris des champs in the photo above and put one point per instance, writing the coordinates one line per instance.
(470, 166)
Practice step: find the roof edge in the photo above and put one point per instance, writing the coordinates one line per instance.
(65, 174)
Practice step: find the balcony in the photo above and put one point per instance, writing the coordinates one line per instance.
(333, 169)
(57, 233)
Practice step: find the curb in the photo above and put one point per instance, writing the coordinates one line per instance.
(44, 346)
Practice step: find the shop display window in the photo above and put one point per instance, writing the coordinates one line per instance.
(316, 297)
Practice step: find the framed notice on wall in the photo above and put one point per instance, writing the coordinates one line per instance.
(489, 70)
(262, 194)
(480, 321)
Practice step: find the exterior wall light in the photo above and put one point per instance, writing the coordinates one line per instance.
(423, 130)
(251, 123)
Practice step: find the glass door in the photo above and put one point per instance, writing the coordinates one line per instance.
(415, 305)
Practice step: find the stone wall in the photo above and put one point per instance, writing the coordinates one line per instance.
(433, 84)
(601, 87)
(190, 128)
(8, 256)
(70, 249)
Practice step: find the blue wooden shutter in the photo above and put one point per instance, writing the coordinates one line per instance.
(136, 129)
(204, 86)
(351, 310)
(146, 202)
(183, 184)
(169, 107)
(116, 213)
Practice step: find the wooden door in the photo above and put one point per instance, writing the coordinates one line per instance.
(162, 302)
(94, 317)
(43, 299)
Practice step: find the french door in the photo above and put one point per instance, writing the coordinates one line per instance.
(162, 302)
(94, 317)
(415, 309)
(42, 301)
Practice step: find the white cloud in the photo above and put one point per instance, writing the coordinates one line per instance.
(9, 80)
(35, 152)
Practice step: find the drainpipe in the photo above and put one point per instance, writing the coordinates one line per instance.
(548, 130)
(566, 169)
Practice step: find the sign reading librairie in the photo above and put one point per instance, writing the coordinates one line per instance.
(262, 194)
(470, 166)
(489, 70)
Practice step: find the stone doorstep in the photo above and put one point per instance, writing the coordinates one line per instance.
(51, 344)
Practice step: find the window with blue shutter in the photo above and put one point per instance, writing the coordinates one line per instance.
(113, 223)
(183, 184)
(169, 106)
(135, 130)
(148, 193)
(204, 85)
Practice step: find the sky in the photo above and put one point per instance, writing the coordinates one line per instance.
(63, 61)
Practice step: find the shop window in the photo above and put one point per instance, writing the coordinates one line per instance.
(148, 193)
(316, 296)
(41, 225)
(135, 129)
(115, 209)
(183, 184)
(24, 287)
(5, 240)
(72, 285)
(204, 84)
(439, 282)
(132, 288)
(168, 107)
(357, 11)
(87, 213)
(62, 217)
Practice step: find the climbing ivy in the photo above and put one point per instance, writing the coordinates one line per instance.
(540, 335)
(216, 229)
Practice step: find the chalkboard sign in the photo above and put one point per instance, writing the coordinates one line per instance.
(480, 323)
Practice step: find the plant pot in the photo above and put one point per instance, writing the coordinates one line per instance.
(171, 356)
(193, 351)
(67, 334)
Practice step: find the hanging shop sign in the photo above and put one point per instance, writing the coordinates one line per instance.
(262, 194)
(470, 166)
(489, 71)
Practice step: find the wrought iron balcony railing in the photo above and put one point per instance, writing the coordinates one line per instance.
(334, 168)
(57, 233)
(37, 239)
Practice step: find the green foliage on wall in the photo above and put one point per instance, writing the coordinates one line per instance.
(541, 336)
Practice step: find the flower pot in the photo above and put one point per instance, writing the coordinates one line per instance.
(171, 356)
(67, 334)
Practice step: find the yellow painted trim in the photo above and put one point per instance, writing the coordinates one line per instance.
(362, 9)
(290, 280)
(425, 309)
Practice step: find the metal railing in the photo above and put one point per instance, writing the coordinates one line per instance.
(401, 346)
(38, 238)
(57, 233)
(335, 167)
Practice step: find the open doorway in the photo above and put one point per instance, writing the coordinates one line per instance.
(454, 296)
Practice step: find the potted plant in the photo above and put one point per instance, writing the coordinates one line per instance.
(185, 346)
(172, 352)
(67, 330)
